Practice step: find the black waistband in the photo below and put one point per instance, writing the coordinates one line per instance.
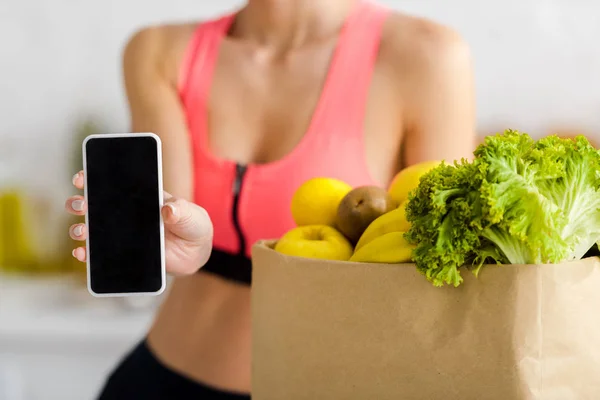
(233, 267)
(141, 375)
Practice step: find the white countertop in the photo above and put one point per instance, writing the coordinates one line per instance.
(62, 309)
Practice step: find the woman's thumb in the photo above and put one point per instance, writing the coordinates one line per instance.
(187, 220)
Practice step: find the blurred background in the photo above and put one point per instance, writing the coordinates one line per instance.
(537, 65)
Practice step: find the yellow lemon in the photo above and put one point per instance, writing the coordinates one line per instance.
(316, 201)
(408, 179)
(315, 241)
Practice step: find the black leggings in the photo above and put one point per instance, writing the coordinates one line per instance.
(141, 376)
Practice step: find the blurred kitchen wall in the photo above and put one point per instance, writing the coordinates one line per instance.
(60, 64)
(537, 68)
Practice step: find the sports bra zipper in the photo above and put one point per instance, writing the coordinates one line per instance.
(240, 171)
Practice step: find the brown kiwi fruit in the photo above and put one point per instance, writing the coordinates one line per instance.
(360, 207)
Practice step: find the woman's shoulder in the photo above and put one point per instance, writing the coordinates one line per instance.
(412, 43)
(161, 47)
(417, 52)
(432, 67)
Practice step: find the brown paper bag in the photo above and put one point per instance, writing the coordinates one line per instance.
(340, 330)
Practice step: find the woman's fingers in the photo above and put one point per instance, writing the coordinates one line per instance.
(76, 205)
(170, 213)
(80, 254)
(187, 220)
(78, 232)
(78, 180)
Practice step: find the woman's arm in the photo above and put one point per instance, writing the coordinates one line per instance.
(441, 107)
(151, 65)
(154, 102)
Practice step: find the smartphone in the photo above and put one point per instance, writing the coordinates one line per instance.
(124, 195)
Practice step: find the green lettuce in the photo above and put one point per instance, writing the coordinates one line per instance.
(520, 201)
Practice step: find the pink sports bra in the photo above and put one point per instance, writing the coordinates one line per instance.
(252, 202)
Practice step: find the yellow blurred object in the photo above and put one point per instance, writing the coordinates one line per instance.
(393, 221)
(315, 241)
(317, 200)
(390, 248)
(16, 253)
(408, 179)
(33, 224)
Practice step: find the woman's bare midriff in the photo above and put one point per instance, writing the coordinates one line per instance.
(202, 331)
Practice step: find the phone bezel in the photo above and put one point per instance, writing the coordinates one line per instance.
(160, 202)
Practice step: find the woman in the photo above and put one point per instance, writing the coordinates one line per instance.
(249, 106)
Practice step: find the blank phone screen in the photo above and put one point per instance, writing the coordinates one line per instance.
(124, 244)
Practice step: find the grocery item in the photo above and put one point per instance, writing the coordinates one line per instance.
(389, 248)
(316, 201)
(315, 241)
(376, 331)
(520, 201)
(392, 221)
(408, 179)
(502, 335)
(360, 207)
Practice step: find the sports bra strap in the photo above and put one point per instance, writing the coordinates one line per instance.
(351, 74)
(200, 59)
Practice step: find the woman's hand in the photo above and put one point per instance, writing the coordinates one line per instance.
(188, 232)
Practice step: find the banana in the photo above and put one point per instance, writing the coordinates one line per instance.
(390, 248)
(393, 221)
